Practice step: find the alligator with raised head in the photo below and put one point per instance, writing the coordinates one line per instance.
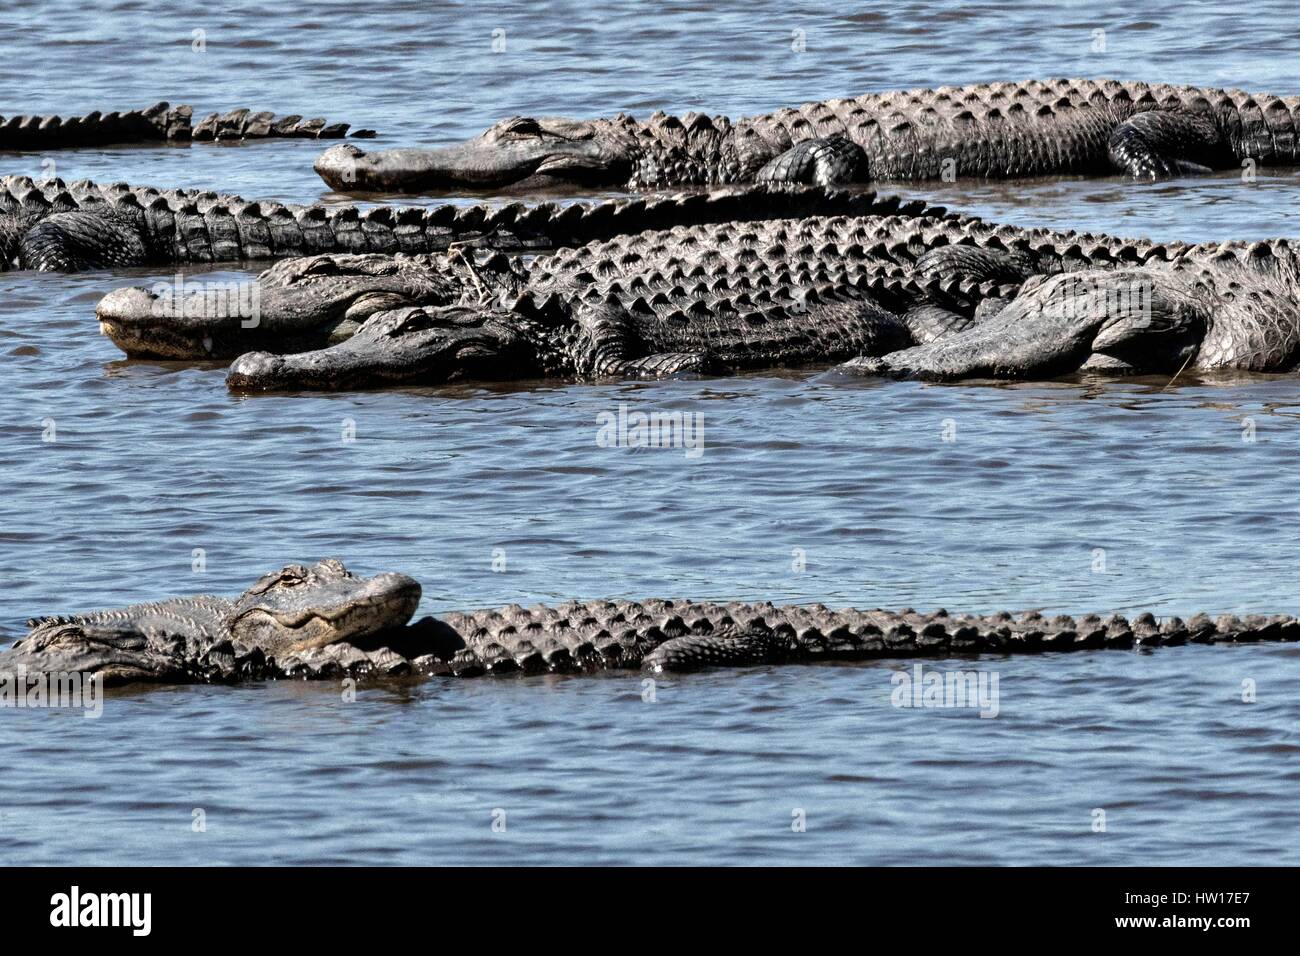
(996, 130)
(1231, 306)
(201, 638)
(67, 227)
(161, 122)
(322, 622)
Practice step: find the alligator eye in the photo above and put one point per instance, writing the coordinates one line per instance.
(320, 266)
(522, 126)
(293, 575)
(417, 321)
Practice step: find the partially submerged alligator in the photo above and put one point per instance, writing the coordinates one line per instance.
(902, 289)
(710, 299)
(161, 122)
(310, 302)
(892, 295)
(66, 227)
(284, 613)
(322, 622)
(998, 130)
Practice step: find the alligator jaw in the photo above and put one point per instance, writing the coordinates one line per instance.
(144, 325)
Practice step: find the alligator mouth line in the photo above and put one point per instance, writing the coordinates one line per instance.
(336, 623)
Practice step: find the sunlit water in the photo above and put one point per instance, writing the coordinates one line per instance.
(1070, 496)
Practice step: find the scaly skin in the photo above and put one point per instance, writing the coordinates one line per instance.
(287, 612)
(595, 636)
(160, 122)
(662, 302)
(56, 226)
(1234, 308)
(310, 302)
(701, 299)
(998, 130)
(783, 294)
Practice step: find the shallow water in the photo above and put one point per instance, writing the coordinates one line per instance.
(1068, 496)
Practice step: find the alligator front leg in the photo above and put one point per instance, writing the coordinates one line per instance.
(610, 347)
(694, 652)
(1162, 143)
(79, 240)
(666, 365)
(963, 286)
(824, 161)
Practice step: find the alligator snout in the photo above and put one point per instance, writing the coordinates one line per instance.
(254, 370)
(145, 325)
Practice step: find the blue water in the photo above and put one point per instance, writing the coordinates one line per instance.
(1157, 482)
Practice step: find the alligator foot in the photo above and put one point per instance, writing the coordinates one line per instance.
(928, 322)
(825, 161)
(668, 364)
(1164, 143)
(695, 652)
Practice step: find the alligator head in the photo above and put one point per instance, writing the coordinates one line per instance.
(296, 304)
(298, 607)
(1124, 320)
(417, 346)
(516, 151)
(294, 609)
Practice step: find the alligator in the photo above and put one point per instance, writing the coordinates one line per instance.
(960, 311)
(998, 130)
(1235, 306)
(323, 623)
(736, 295)
(284, 613)
(313, 301)
(160, 123)
(67, 227)
(705, 299)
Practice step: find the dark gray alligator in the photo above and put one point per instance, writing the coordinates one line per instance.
(712, 298)
(284, 613)
(314, 301)
(967, 298)
(160, 123)
(322, 623)
(1231, 306)
(67, 227)
(998, 130)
